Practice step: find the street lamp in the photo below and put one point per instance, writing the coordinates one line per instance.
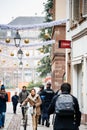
(17, 39)
(20, 54)
(21, 65)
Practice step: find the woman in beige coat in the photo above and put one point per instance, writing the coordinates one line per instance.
(35, 102)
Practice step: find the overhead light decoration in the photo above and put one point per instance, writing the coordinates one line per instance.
(0, 50)
(17, 39)
(27, 54)
(7, 40)
(27, 65)
(20, 54)
(12, 54)
(38, 63)
(3, 61)
(15, 64)
(26, 41)
(46, 35)
(42, 50)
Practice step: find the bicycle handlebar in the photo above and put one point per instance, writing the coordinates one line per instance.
(26, 107)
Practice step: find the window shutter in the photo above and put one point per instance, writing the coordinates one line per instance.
(76, 10)
(84, 8)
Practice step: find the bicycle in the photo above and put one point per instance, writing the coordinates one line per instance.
(25, 119)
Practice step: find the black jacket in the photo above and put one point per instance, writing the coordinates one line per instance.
(3, 100)
(48, 93)
(15, 99)
(66, 122)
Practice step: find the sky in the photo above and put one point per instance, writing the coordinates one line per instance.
(10, 9)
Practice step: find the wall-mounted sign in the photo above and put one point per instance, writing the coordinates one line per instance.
(64, 44)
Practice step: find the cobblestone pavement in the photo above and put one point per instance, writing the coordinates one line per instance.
(14, 121)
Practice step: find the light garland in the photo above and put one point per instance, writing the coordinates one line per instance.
(38, 26)
(29, 58)
(31, 44)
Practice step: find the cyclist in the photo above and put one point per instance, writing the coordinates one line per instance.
(22, 96)
(35, 102)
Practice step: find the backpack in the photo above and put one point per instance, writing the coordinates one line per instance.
(64, 105)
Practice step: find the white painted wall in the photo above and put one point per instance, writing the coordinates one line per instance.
(78, 67)
(60, 9)
(79, 71)
(79, 47)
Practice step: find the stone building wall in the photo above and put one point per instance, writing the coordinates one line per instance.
(58, 57)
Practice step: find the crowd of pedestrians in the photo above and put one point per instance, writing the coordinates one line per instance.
(63, 106)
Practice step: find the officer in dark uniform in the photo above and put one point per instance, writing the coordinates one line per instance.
(48, 95)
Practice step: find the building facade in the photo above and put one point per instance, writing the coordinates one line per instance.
(58, 54)
(76, 31)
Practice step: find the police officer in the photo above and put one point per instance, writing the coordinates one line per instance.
(48, 95)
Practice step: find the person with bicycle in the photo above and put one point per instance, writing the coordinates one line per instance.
(22, 96)
(35, 102)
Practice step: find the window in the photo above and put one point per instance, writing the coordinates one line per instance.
(84, 11)
(75, 10)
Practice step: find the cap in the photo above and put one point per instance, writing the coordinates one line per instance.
(2, 87)
(48, 83)
(42, 86)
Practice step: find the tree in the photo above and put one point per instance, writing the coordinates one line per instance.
(32, 85)
(45, 63)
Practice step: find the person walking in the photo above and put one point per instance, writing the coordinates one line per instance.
(35, 102)
(22, 96)
(3, 100)
(42, 105)
(48, 94)
(15, 99)
(66, 110)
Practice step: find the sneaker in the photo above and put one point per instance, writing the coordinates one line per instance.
(43, 123)
(47, 124)
(2, 125)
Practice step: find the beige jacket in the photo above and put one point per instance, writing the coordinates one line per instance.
(36, 100)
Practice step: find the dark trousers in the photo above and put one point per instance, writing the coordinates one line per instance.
(2, 119)
(39, 120)
(14, 108)
(22, 111)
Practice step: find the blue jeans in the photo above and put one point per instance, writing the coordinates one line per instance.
(3, 118)
(0, 119)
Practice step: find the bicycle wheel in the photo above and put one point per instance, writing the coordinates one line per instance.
(25, 123)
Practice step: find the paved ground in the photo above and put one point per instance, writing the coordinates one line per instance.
(14, 121)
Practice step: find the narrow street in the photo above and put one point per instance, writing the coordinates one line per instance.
(14, 122)
(43, 41)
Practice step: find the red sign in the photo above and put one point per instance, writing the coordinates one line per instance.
(64, 44)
